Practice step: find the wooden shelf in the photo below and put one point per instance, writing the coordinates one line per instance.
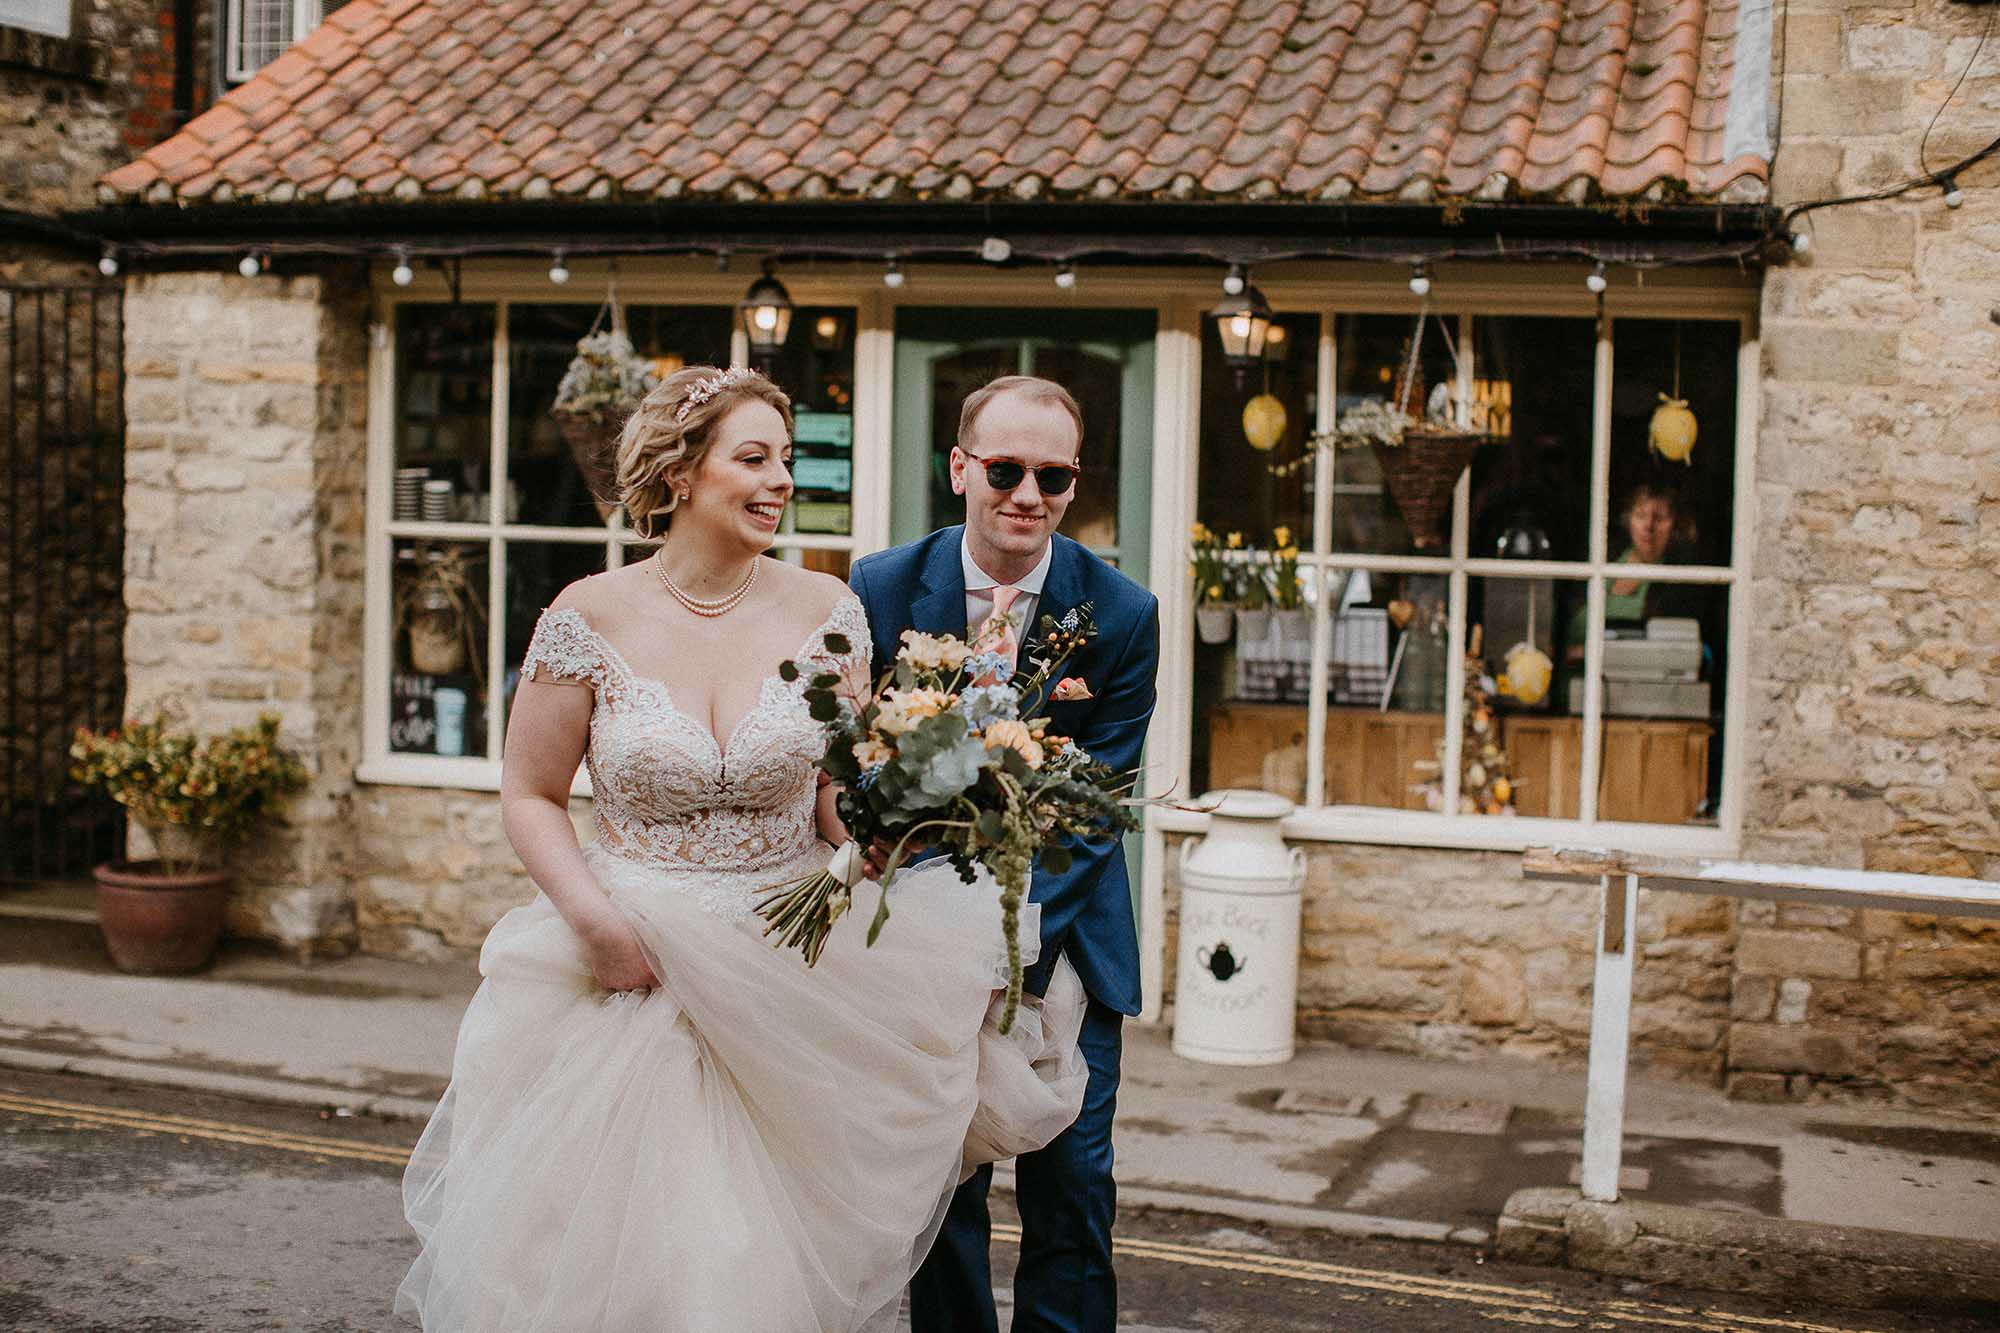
(1654, 771)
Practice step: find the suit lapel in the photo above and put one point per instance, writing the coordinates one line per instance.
(1060, 595)
(939, 604)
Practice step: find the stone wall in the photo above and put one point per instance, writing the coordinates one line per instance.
(1875, 666)
(246, 407)
(435, 869)
(1455, 954)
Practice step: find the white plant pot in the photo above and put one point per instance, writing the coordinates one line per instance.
(1253, 624)
(1213, 623)
(1237, 968)
(1294, 626)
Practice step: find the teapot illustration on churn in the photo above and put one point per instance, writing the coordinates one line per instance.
(1220, 962)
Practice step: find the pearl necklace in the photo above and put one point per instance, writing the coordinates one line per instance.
(721, 606)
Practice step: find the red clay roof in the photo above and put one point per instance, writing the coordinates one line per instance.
(972, 99)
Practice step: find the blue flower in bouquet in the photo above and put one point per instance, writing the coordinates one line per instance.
(981, 704)
(987, 666)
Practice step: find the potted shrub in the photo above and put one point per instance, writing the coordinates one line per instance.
(197, 798)
(1213, 614)
(604, 382)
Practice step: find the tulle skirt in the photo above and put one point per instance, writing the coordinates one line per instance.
(754, 1145)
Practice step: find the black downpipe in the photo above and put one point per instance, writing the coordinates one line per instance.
(184, 42)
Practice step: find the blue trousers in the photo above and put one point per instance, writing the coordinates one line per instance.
(1067, 1201)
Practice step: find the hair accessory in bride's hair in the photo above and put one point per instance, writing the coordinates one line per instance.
(704, 390)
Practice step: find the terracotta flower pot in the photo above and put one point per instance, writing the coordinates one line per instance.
(159, 923)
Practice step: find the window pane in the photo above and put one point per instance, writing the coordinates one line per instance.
(1669, 503)
(816, 367)
(536, 572)
(1256, 470)
(1665, 670)
(1387, 667)
(437, 687)
(1251, 692)
(825, 562)
(1532, 390)
(1371, 361)
(562, 473)
(1534, 765)
(444, 401)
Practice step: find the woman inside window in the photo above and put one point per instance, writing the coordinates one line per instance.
(1658, 531)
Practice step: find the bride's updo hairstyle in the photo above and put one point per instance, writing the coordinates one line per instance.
(670, 431)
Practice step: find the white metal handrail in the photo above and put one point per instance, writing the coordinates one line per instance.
(1620, 876)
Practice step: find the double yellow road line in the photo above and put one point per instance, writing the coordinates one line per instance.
(1504, 1304)
(217, 1131)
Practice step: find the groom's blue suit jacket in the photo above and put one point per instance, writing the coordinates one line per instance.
(1086, 910)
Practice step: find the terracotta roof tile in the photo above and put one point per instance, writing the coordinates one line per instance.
(1301, 99)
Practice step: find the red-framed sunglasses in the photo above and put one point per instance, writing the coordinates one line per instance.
(1004, 474)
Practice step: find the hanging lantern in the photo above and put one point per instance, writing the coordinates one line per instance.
(1672, 432)
(1243, 322)
(766, 313)
(1264, 421)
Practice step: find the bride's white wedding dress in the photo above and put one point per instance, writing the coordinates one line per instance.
(755, 1145)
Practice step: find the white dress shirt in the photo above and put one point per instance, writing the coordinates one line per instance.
(979, 586)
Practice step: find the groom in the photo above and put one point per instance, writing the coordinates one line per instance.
(1016, 464)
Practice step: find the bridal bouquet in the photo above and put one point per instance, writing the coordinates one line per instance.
(948, 756)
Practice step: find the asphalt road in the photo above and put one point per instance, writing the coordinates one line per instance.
(136, 1209)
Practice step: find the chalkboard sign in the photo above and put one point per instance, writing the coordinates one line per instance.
(442, 715)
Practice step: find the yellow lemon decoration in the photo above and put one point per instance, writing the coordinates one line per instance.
(1672, 433)
(1264, 421)
(1528, 672)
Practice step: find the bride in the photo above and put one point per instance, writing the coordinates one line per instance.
(656, 1119)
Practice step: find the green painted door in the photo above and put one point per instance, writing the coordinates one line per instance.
(1103, 357)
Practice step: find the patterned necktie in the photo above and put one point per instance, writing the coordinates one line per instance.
(999, 637)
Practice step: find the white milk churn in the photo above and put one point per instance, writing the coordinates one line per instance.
(1236, 979)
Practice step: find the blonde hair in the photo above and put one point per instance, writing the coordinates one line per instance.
(669, 433)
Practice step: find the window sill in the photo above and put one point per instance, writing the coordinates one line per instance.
(61, 57)
(1414, 828)
(422, 770)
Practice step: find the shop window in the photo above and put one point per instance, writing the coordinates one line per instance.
(1456, 626)
(471, 562)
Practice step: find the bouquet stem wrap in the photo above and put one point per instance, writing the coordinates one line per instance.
(803, 915)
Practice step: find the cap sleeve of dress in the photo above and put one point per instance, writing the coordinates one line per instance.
(565, 650)
(847, 620)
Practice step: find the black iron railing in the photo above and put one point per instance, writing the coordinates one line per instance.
(62, 560)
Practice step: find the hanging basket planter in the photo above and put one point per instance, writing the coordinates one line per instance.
(601, 388)
(1420, 474)
(592, 438)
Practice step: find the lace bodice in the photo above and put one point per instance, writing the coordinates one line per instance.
(667, 795)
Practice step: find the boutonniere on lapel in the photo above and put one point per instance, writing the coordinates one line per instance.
(1057, 639)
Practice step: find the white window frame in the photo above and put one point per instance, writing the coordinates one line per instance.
(51, 18)
(501, 288)
(306, 15)
(1181, 300)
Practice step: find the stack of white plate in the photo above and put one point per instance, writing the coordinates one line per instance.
(437, 502)
(410, 492)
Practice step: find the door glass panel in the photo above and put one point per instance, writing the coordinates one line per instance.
(1103, 357)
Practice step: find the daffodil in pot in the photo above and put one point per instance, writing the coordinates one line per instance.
(1213, 613)
(1288, 594)
(196, 797)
